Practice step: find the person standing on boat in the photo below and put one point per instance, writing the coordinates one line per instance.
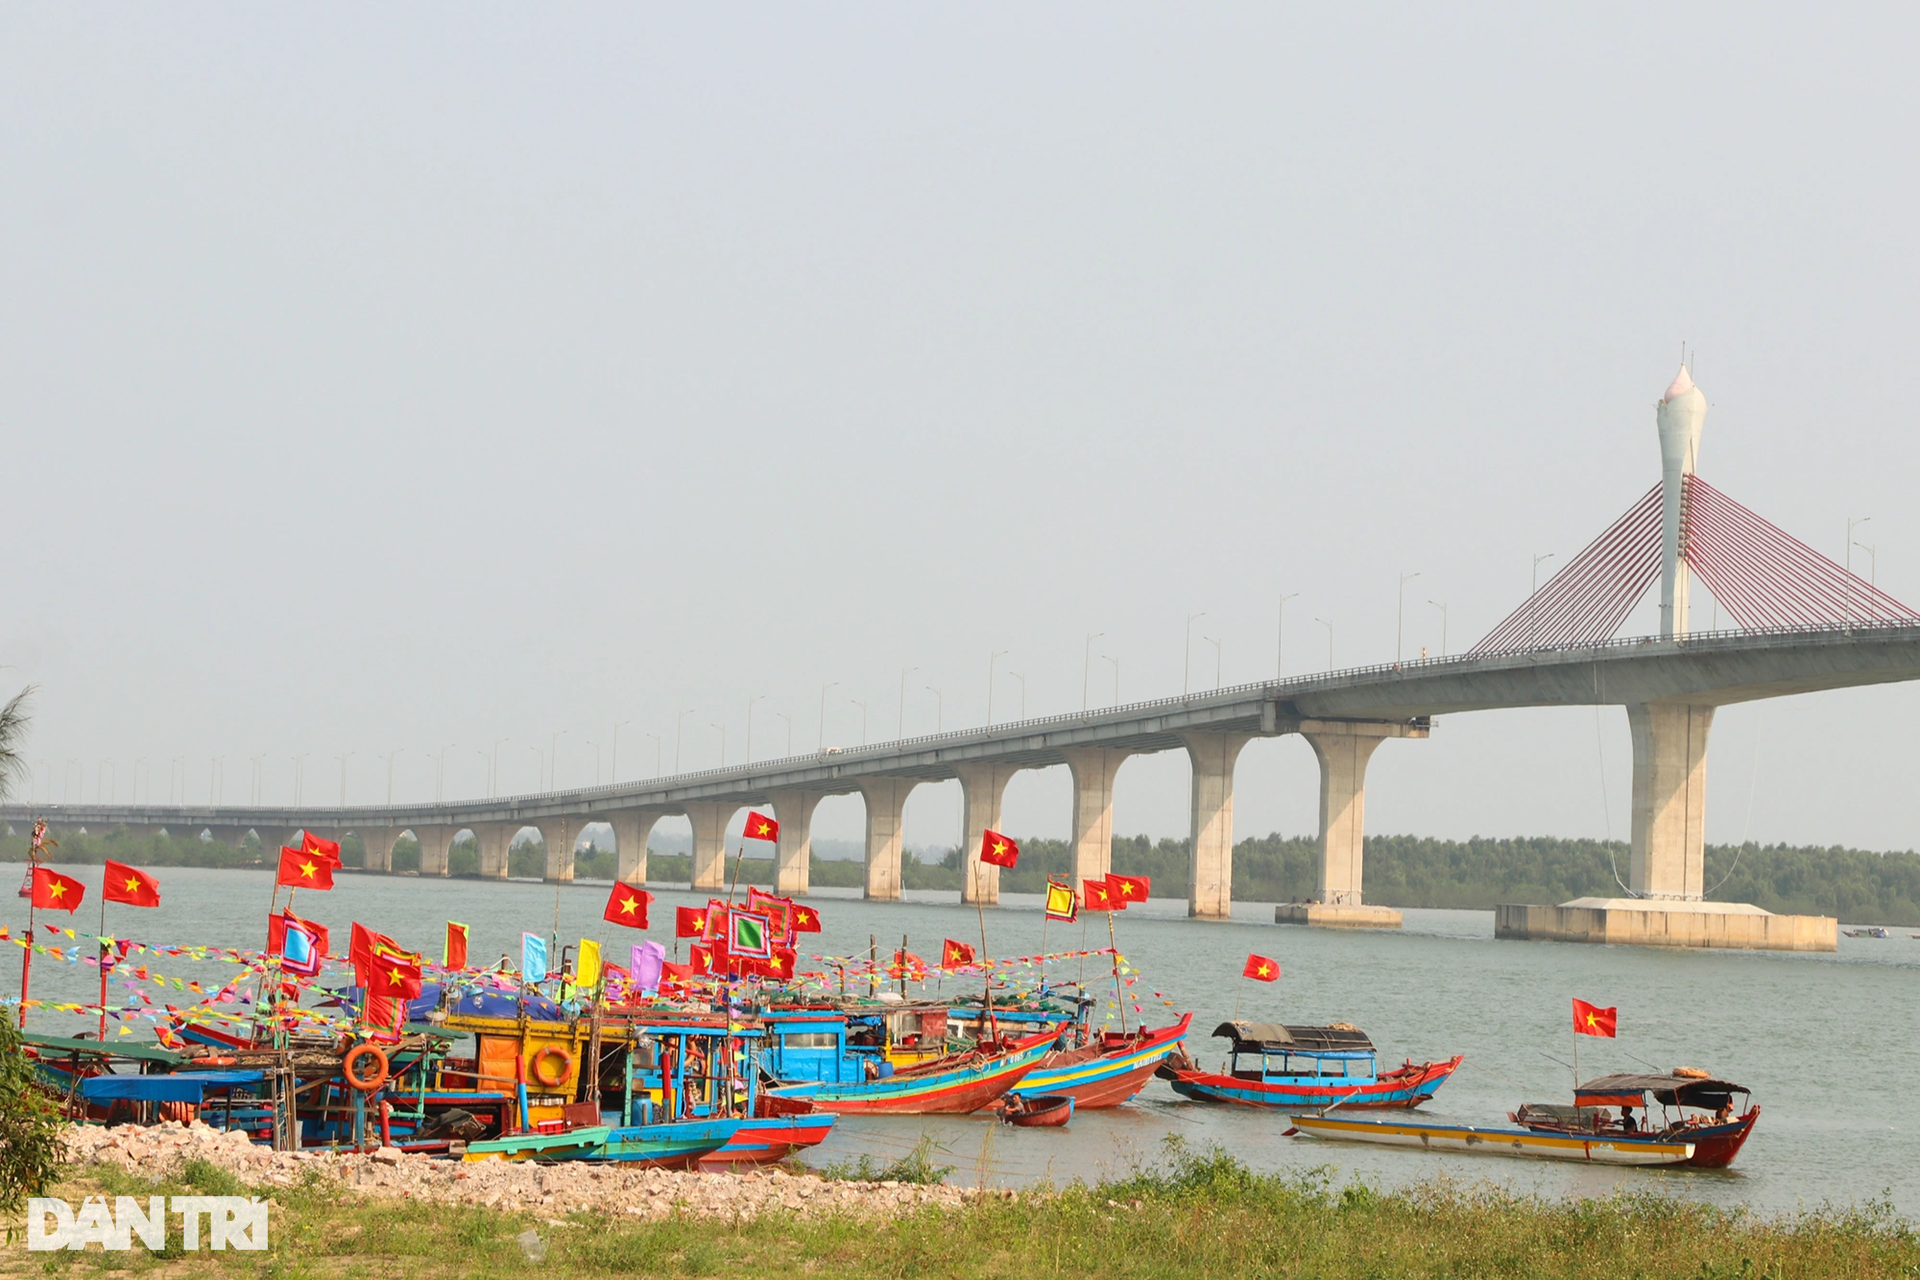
(1627, 1123)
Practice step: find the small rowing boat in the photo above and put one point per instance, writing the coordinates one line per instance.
(1038, 1112)
(1590, 1148)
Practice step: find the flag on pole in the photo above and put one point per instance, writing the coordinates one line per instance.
(997, 850)
(1261, 969)
(304, 870)
(328, 849)
(454, 954)
(689, 922)
(805, 919)
(55, 892)
(587, 975)
(277, 926)
(1128, 890)
(761, 827)
(1061, 904)
(394, 976)
(748, 934)
(533, 957)
(1097, 895)
(130, 885)
(299, 950)
(954, 955)
(649, 960)
(1592, 1020)
(628, 906)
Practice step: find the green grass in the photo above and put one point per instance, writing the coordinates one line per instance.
(1193, 1215)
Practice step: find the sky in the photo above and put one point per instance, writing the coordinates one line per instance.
(463, 382)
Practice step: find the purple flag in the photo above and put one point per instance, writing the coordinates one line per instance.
(647, 959)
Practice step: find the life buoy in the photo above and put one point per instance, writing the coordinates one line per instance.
(538, 1065)
(204, 1063)
(359, 1054)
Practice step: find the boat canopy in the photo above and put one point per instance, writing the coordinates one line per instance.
(1667, 1090)
(59, 1045)
(1271, 1037)
(180, 1086)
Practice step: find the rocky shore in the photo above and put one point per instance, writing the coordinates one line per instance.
(162, 1150)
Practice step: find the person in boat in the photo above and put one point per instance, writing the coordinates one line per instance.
(1725, 1114)
(1627, 1123)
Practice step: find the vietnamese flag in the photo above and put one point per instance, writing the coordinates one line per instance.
(454, 956)
(700, 959)
(997, 850)
(55, 892)
(1128, 890)
(126, 884)
(328, 849)
(1098, 896)
(761, 827)
(304, 870)
(1592, 1020)
(1261, 969)
(955, 954)
(689, 922)
(805, 919)
(393, 975)
(365, 947)
(628, 906)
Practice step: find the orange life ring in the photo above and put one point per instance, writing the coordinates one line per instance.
(214, 1062)
(537, 1064)
(350, 1067)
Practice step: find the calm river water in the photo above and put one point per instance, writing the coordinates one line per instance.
(1825, 1042)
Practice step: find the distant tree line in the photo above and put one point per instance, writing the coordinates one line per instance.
(1401, 871)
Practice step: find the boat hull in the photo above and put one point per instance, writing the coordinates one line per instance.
(1613, 1149)
(768, 1139)
(539, 1146)
(1714, 1145)
(1108, 1079)
(681, 1145)
(956, 1090)
(1402, 1089)
(1044, 1112)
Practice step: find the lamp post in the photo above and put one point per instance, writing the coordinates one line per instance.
(1441, 606)
(657, 746)
(1329, 626)
(486, 768)
(613, 754)
(343, 775)
(553, 756)
(863, 719)
(1852, 523)
(1023, 692)
(679, 730)
(1116, 676)
(143, 760)
(1086, 665)
(823, 713)
(1400, 613)
(440, 771)
(789, 719)
(723, 742)
(596, 762)
(493, 768)
(901, 731)
(939, 708)
(1216, 661)
(1186, 664)
(1533, 609)
(992, 658)
(758, 697)
(1280, 635)
(299, 776)
(1873, 563)
(540, 773)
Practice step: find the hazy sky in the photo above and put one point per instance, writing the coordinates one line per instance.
(388, 377)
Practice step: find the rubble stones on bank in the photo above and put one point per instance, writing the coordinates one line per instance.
(557, 1189)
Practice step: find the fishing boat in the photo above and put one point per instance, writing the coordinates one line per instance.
(1694, 1107)
(1874, 932)
(558, 1144)
(1109, 1070)
(683, 1144)
(1590, 1148)
(1041, 1111)
(778, 1128)
(957, 1084)
(1271, 1065)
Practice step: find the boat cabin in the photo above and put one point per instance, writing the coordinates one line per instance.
(1268, 1051)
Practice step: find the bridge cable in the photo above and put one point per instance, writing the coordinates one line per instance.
(1606, 805)
(1753, 785)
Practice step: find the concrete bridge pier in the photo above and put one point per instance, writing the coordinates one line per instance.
(982, 789)
(631, 831)
(886, 819)
(1210, 861)
(1093, 769)
(1669, 798)
(709, 821)
(377, 844)
(495, 840)
(793, 857)
(559, 835)
(1344, 750)
(436, 843)
(232, 837)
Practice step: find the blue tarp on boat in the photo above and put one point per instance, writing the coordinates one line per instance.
(181, 1086)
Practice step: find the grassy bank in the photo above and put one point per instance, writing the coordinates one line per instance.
(1194, 1216)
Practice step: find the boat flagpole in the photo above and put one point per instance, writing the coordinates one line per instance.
(103, 957)
(986, 964)
(1119, 997)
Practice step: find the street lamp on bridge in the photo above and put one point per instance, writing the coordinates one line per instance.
(1023, 692)
(723, 742)
(1400, 613)
(1329, 626)
(1533, 592)
(1441, 606)
(1280, 635)
(299, 777)
(939, 708)
(391, 757)
(758, 697)
(823, 712)
(863, 719)
(613, 753)
(1186, 665)
(1086, 664)
(343, 776)
(1116, 676)
(1216, 660)
(657, 747)
(901, 730)
(679, 731)
(789, 719)
(992, 658)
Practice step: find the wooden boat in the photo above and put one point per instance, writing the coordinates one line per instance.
(1107, 1072)
(1695, 1108)
(1874, 932)
(682, 1144)
(778, 1128)
(1041, 1111)
(1306, 1067)
(561, 1145)
(954, 1085)
(1593, 1148)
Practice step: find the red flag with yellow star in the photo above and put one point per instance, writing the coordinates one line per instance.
(305, 870)
(805, 919)
(328, 849)
(1128, 890)
(1592, 1020)
(998, 851)
(1261, 969)
(55, 892)
(392, 975)
(1097, 895)
(761, 827)
(628, 906)
(689, 922)
(954, 955)
(129, 885)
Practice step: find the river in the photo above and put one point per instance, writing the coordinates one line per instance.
(1824, 1041)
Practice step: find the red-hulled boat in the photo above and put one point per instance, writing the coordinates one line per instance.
(1694, 1108)
(954, 1085)
(778, 1128)
(1107, 1072)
